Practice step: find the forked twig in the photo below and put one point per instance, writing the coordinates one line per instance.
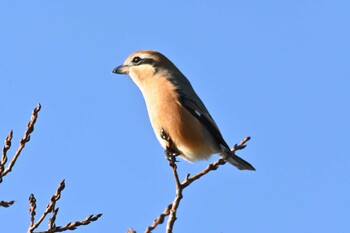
(73, 225)
(188, 180)
(32, 201)
(4, 171)
(51, 208)
(171, 209)
(23, 141)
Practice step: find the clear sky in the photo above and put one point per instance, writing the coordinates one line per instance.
(277, 71)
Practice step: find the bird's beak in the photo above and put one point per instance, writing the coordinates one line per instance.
(122, 69)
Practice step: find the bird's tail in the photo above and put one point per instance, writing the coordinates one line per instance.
(240, 163)
(233, 159)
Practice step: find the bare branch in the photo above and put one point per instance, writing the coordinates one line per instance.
(23, 141)
(172, 208)
(4, 171)
(181, 186)
(32, 204)
(73, 225)
(160, 219)
(241, 145)
(6, 147)
(54, 211)
(32, 201)
(49, 207)
(176, 202)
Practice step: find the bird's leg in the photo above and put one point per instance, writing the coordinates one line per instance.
(171, 152)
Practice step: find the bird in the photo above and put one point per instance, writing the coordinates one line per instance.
(176, 112)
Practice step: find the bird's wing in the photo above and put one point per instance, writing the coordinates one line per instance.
(196, 107)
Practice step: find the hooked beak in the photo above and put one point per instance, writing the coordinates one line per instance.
(122, 69)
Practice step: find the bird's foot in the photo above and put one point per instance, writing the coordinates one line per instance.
(170, 156)
(171, 152)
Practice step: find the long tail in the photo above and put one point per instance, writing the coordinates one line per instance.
(240, 163)
(233, 159)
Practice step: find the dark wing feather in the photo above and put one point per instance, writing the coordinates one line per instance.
(199, 111)
(190, 100)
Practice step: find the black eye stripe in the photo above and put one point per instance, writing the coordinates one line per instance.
(139, 61)
(147, 61)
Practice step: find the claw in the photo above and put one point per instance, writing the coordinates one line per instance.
(171, 152)
(171, 157)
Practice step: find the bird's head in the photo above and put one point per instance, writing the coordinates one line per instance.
(146, 64)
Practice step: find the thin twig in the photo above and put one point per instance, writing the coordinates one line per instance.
(8, 141)
(48, 209)
(3, 161)
(6, 147)
(51, 208)
(188, 180)
(52, 220)
(181, 186)
(32, 204)
(73, 225)
(241, 145)
(32, 201)
(215, 165)
(23, 141)
(176, 202)
(160, 219)
(171, 209)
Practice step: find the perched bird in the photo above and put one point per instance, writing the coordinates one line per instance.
(175, 110)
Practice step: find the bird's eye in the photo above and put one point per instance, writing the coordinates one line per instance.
(136, 60)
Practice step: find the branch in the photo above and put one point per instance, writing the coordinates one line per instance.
(181, 186)
(73, 225)
(171, 209)
(4, 171)
(51, 208)
(32, 201)
(160, 219)
(188, 180)
(6, 147)
(23, 141)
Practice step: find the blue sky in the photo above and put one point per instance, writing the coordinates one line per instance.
(277, 71)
